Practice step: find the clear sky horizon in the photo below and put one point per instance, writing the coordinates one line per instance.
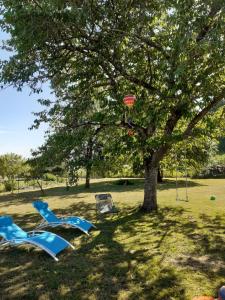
(16, 117)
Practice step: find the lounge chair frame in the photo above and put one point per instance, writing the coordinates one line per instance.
(63, 221)
(21, 241)
(45, 224)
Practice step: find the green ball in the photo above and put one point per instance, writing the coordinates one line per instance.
(212, 197)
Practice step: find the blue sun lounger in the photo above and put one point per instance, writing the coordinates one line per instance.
(13, 235)
(50, 219)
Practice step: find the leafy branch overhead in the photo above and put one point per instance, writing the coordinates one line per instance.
(169, 54)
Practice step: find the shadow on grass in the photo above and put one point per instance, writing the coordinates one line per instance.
(8, 199)
(97, 187)
(101, 269)
(137, 184)
(127, 257)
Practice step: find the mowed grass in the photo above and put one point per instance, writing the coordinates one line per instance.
(177, 253)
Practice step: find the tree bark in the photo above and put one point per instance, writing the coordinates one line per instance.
(89, 156)
(40, 186)
(87, 178)
(150, 187)
(160, 176)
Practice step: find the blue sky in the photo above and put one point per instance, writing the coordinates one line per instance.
(16, 117)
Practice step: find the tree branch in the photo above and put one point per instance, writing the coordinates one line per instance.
(175, 116)
(211, 16)
(117, 65)
(145, 40)
(131, 124)
(201, 114)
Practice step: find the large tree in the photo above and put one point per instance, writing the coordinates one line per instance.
(12, 166)
(77, 149)
(170, 54)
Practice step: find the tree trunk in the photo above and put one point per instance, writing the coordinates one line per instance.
(67, 185)
(160, 176)
(150, 186)
(40, 186)
(89, 156)
(87, 178)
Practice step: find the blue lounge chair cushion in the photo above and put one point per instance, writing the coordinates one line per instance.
(50, 241)
(84, 224)
(46, 213)
(51, 218)
(5, 221)
(9, 230)
(40, 204)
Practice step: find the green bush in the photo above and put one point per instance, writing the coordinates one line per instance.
(61, 179)
(49, 177)
(9, 186)
(2, 187)
(123, 182)
(213, 171)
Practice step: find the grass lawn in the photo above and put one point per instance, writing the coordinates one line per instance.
(177, 253)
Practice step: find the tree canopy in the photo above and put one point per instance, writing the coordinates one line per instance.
(170, 54)
(12, 166)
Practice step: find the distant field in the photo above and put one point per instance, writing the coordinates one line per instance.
(175, 254)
